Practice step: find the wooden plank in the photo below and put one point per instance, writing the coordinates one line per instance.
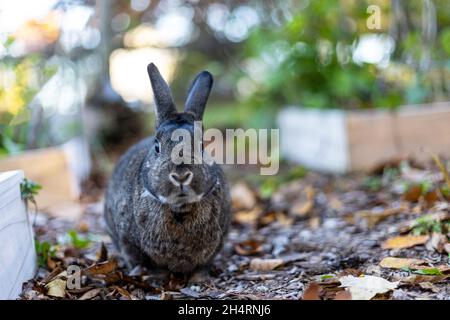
(372, 139)
(424, 130)
(48, 167)
(17, 253)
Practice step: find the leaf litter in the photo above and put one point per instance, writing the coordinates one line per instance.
(310, 237)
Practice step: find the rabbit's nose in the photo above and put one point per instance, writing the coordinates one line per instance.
(183, 179)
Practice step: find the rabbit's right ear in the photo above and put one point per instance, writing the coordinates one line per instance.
(163, 97)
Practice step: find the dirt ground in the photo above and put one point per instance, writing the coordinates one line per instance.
(298, 235)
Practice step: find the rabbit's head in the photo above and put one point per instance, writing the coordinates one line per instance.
(173, 182)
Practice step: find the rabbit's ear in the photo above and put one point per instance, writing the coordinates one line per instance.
(198, 94)
(161, 91)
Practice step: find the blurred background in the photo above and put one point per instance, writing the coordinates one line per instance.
(77, 69)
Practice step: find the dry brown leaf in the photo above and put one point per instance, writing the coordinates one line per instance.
(90, 294)
(247, 216)
(399, 263)
(371, 218)
(312, 292)
(102, 254)
(101, 268)
(113, 277)
(258, 264)
(51, 263)
(242, 197)
(413, 193)
(401, 242)
(283, 219)
(343, 295)
(247, 248)
(431, 196)
(123, 292)
(267, 218)
(437, 242)
(417, 278)
(303, 207)
(56, 288)
(429, 286)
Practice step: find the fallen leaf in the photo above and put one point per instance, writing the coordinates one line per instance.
(312, 292)
(366, 287)
(437, 242)
(343, 295)
(401, 242)
(258, 264)
(303, 207)
(102, 254)
(417, 278)
(429, 271)
(267, 218)
(431, 196)
(429, 286)
(90, 294)
(370, 218)
(242, 197)
(123, 292)
(101, 268)
(56, 288)
(247, 216)
(247, 248)
(413, 193)
(51, 263)
(399, 263)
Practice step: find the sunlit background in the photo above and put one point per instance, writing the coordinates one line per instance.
(71, 68)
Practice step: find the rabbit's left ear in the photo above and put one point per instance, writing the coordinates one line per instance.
(198, 94)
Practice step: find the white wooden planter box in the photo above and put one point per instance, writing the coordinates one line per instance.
(341, 141)
(17, 252)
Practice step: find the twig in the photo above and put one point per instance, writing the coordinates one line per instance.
(442, 168)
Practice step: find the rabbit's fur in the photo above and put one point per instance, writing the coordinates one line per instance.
(148, 220)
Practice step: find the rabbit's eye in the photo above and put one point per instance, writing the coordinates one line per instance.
(157, 146)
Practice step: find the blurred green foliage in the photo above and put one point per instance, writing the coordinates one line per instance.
(307, 60)
(22, 79)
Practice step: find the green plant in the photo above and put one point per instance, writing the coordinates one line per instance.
(44, 250)
(270, 184)
(28, 190)
(79, 242)
(426, 224)
(373, 183)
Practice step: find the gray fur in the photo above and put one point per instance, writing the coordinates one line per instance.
(148, 220)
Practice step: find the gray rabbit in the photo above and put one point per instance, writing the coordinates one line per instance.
(162, 214)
